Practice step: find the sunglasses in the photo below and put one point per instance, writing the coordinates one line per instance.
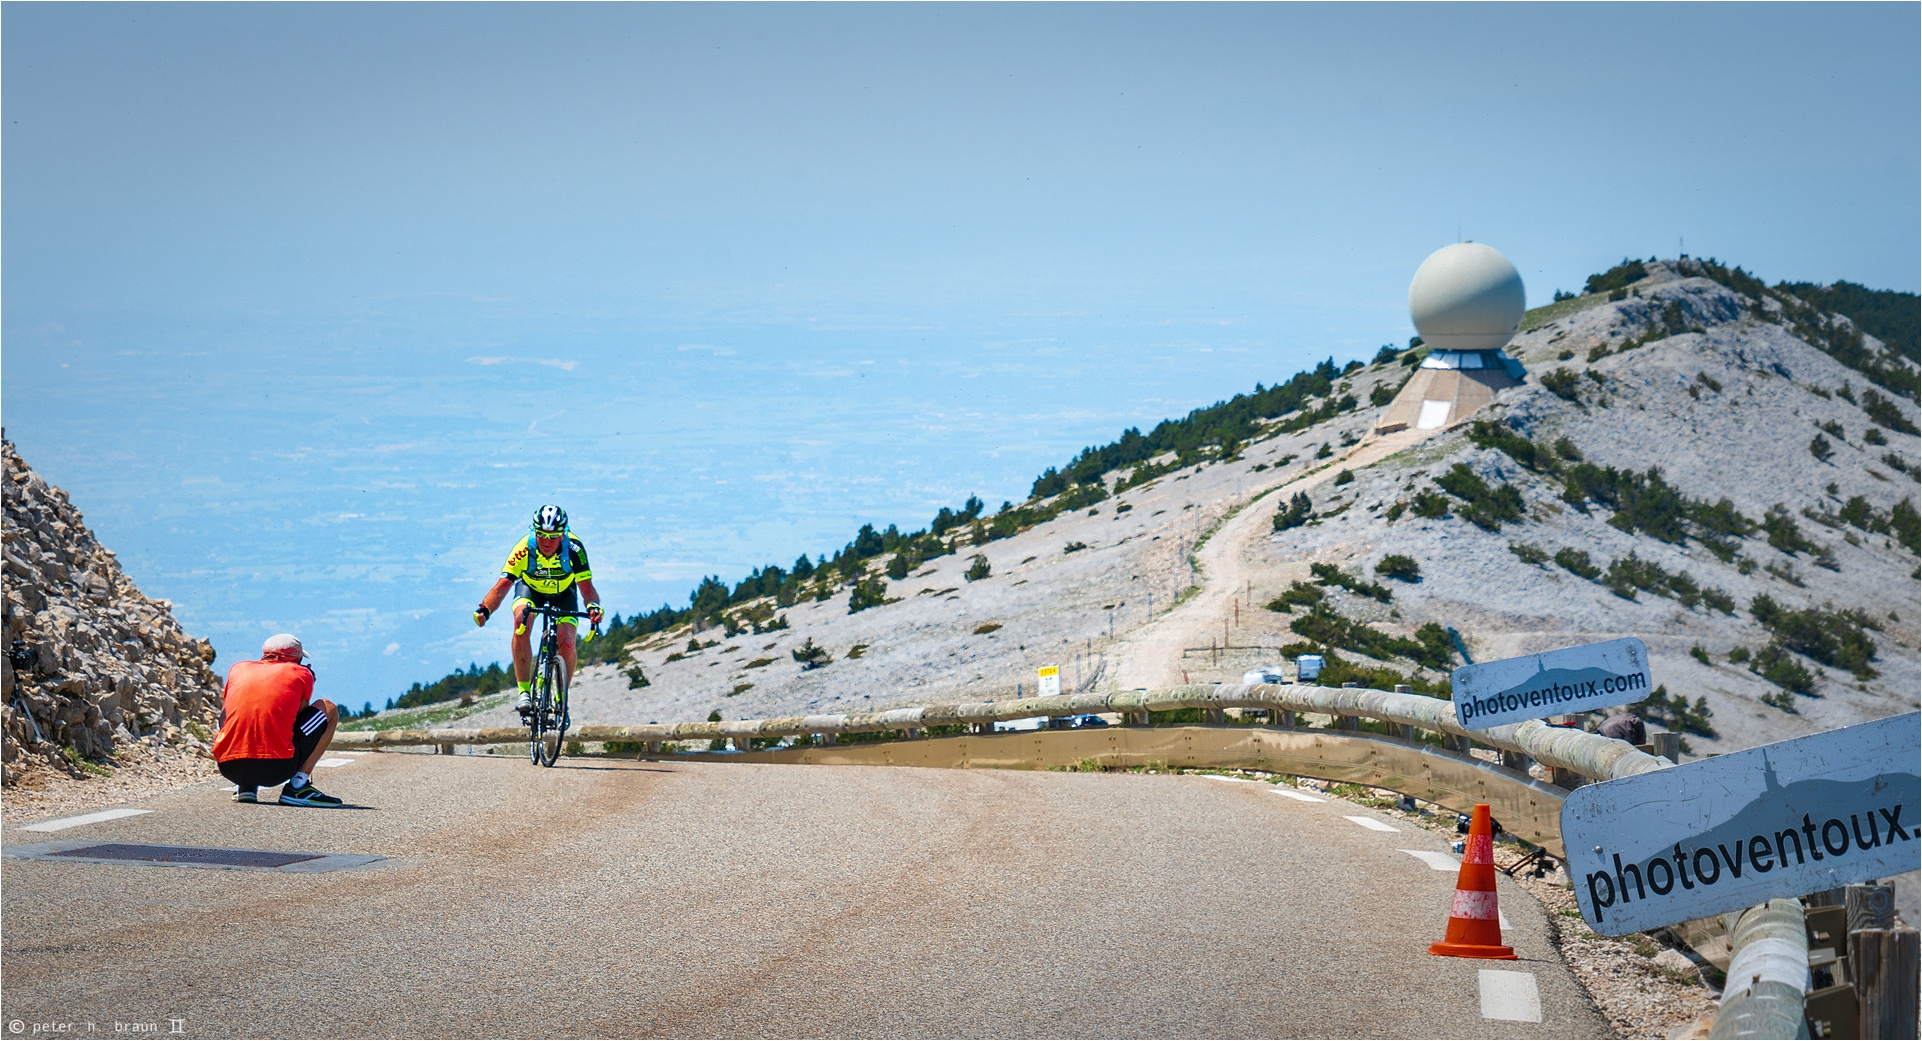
(539, 534)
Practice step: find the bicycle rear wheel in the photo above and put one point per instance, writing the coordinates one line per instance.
(548, 710)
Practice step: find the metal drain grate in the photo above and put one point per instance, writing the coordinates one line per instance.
(252, 858)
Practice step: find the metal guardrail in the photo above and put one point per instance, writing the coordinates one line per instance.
(1769, 1005)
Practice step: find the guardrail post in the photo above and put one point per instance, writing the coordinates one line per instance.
(444, 749)
(1870, 906)
(1514, 761)
(1285, 719)
(1347, 723)
(653, 748)
(1884, 964)
(1668, 745)
(830, 739)
(1211, 716)
(742, 744)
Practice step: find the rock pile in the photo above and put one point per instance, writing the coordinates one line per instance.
(95, 661)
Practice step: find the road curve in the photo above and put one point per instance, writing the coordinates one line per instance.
(609, 898)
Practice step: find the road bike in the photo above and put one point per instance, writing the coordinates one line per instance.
(549, 719)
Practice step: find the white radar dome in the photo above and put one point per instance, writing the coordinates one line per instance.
(1466, 297)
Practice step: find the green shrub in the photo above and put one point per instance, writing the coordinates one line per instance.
(1400, 567)
(1676, 713)
(1486, 507)
(1621, 276)
(1821, 449)
(857, 650)
(1873, 436)
(1324, 625)
(986, 627)
(1835, 638)
(1296, 513)
(1298, 595)
(978, 568)
(1781, 699)
(1344, 477)
(1529, 553)
(1738, 655)
(1901, 465)
(1073, 547)
(810, 656)
(1577, 561)
(869, 592)
(1777, 666)
(1428, 504)
(1885, 413)
(1699, 654)
(1562, 383)
(1330, 575)
(1784, 534)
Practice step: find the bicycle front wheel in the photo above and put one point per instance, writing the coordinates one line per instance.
(548, 709)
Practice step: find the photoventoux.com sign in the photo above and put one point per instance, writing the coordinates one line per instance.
(1730, 832)
(1573, 679)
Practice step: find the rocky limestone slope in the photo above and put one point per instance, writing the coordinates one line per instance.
(98, 664)
(1717, 390)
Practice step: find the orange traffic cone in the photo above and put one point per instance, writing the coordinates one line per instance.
(1474, 924)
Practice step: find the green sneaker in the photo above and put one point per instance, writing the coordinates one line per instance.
(306, 795)
(246, 795)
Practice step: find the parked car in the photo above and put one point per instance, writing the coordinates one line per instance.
(1264, 674)
(1090, 721)
(1307, 668)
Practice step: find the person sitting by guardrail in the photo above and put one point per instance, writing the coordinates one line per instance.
(272, 730)
(1625, 726)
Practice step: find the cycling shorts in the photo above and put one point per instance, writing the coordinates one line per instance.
(568, 599)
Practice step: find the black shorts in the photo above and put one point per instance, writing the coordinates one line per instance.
(568, 599)
(309, 723)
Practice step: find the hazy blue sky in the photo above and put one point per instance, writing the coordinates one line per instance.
(309, 306)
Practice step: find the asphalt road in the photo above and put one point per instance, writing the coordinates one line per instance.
(606, 898)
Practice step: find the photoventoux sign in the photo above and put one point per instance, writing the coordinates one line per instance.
(1573, 679)
(1730, 832)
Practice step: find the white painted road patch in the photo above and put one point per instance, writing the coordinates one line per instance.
(1290, 793)
(1510, 995)
(1236, 780)
(1438, 861)
(63, 823)
(1372, 824)
(330, 761)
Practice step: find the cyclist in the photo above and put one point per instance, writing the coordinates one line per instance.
(543, 570)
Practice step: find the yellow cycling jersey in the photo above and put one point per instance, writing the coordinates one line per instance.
(544, 574)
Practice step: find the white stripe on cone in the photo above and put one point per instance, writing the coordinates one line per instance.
(1471, 904)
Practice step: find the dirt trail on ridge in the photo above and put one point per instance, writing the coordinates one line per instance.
(1150, 655)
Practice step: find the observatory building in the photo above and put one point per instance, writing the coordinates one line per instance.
(1467, 302)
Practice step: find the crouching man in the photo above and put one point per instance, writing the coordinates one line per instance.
(272, 731)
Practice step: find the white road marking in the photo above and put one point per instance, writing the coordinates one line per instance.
(1372, 824)
(331, 761)
(1438, 861)
(63, 823)
(1290, 793)
(1236, 780)
(1511, 996)
(1503, 919)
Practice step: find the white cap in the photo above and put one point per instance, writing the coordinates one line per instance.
(284, 646)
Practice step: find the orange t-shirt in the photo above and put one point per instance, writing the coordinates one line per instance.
(262, 698)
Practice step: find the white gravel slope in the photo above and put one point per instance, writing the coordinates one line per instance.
(1748, 442)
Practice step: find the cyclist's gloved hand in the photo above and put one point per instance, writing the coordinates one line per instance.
(481, 614)
(594, 614)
